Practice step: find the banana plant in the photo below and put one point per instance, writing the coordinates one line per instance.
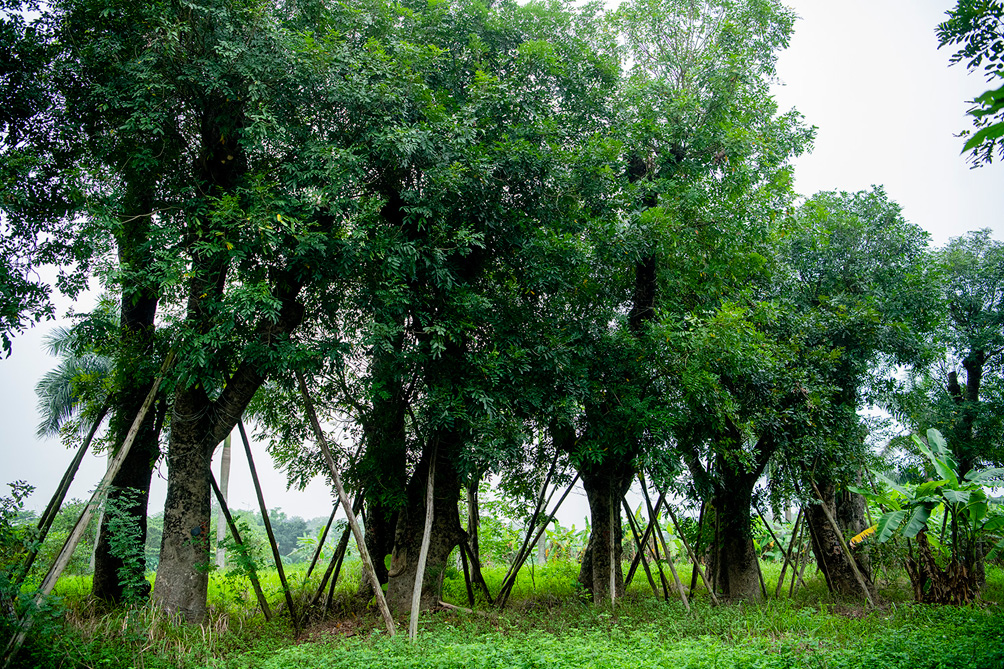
(944, 568)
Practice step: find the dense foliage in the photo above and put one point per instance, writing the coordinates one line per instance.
(531, 244)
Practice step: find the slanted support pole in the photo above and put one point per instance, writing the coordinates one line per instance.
(344, 498)
(252, 574)
(268, 529)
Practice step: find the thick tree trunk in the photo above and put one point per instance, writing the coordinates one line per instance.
(446, 530)
(197, 425)
(736, 573)
(383, 469)
(119, 562)
(830, 556)
(183, 573)
(605, 484)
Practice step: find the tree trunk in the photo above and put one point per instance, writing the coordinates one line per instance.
(446, 530)
(832, 560)
(183, 572)
(119, 562)
(383, 468)
(197, 425)
(605, 484)
(735, 561)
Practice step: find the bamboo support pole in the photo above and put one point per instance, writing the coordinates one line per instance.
(804, 546)
(66, 553)
(649, 528)
(56, 502)
(662, 540)
(641, 551)
(268, 529)
(467, 575)
(697, 551)
(532, 526)
(507, 586)
(612, 555)
(320, 545)
(787, 555)
(343, 497)
(423, 553)
(476, 574)
(252, 574)
(692, 554)
(845, 548)
(333, 565)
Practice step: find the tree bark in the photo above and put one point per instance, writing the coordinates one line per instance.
(606, 484)
(197, 425)
(119, 562)
(735, 560)
(446, 530)
(835, 565)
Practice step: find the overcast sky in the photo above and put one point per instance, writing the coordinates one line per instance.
(868, 74)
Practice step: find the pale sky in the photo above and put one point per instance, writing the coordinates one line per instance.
(867, 73)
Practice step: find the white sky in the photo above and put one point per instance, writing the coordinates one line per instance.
(867, 73)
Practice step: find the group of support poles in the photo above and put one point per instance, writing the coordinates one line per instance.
(66, 553)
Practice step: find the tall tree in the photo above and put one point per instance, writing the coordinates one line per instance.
(704, 155)
(860, 276)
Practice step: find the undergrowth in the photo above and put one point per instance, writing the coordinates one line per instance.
(547, 624)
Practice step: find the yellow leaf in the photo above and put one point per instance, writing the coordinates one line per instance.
(858, 538)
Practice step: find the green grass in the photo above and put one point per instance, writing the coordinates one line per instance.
(547, 624)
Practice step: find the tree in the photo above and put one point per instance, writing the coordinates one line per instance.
(961, 395)
(976, 27)
(860, 277)
(704, 155)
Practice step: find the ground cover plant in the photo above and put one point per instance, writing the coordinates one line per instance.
(542, 626)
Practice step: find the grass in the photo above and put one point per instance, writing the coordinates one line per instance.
(547, 624)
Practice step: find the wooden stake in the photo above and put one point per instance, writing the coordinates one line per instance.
(252, 574)
(845, 548)
(507, 586)
(268, 530)
(49, 515)
(541, 503)
(423, 553)
(320, 545)
(662, 540)
(787, 555)
(611, 558)
(693, 556)
(641, 551)
(353, 523)
(63, 559)
(697, 551)
(467, 575)
(649, 527)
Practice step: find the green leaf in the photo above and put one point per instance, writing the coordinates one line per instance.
(985, 476)
(956, 496)
(977, 511)
(992, 555)
(895, 486)
(941, 461)
(986, 134)
(917, 522)
(928, 487)
(993, 524)
(888, 523)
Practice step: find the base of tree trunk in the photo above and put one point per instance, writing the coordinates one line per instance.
(830, 556)
(605, 485)
(446, 534)
(736, 574)
(183, 573)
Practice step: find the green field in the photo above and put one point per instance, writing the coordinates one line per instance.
(544, 625)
